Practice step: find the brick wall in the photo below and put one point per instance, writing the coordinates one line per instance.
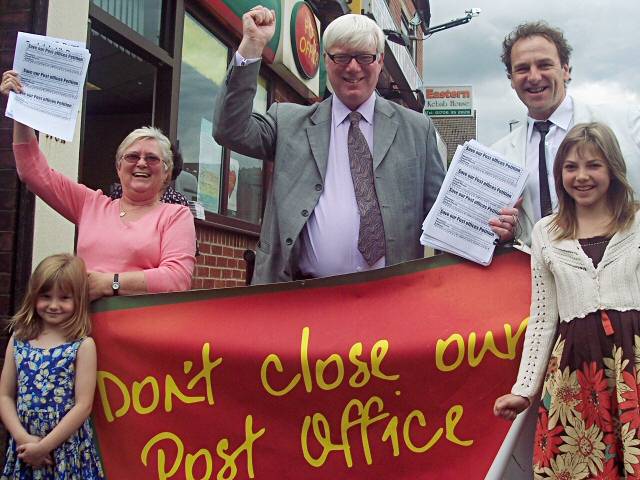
(15, 201)
(220, 263)
(455, 131)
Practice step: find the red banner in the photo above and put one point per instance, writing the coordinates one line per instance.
(387, 374)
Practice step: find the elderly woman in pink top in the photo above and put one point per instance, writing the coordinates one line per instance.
(134, 244)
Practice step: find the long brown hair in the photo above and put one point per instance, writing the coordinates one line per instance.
(619, 195)
(69, 274)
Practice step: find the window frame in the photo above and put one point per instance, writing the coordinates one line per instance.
(167, 57)
(222, 220)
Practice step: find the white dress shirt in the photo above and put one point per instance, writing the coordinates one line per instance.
(562, 119)
(330, 239)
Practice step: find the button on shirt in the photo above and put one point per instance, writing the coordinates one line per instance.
(562, 119)
(330, 239)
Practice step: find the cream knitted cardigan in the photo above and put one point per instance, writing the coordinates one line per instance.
(566, 286)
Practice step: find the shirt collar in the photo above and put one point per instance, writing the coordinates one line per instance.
(561, 116)
(341, 111)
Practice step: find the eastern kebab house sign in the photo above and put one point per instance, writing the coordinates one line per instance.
(449, 101)
(305, 40)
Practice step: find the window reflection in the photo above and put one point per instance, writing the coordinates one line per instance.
(143, 16)
(204, 65)
(204, 62)
(245, 173)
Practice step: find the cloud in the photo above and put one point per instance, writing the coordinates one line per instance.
(603, 59)
(604, 92)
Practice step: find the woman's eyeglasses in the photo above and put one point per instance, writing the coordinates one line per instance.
(361, 58)
(135, 158)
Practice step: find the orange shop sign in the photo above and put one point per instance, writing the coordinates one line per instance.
(305, 40)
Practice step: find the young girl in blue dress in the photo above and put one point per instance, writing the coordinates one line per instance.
(585, 265)
(49, 377)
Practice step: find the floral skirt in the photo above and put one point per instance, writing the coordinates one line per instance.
(589, 416)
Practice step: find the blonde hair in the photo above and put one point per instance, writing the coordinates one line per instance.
(148, 133)
(68, 273)
(619, 195)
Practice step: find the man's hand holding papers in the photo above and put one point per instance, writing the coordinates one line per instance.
(475, 206)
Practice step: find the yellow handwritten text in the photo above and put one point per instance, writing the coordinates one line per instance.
(359, 378)
(202, 461)
(456, 346)
(357, 415)
(151, 386)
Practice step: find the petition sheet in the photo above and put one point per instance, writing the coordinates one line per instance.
(52, 72)
(478, 184)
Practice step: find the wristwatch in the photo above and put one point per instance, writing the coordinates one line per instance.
(115, 286)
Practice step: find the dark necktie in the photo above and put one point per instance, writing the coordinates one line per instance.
(371, 241)
(545, 195)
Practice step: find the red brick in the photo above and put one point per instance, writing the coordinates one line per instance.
(8, 202)
(8, 179)
(5, 305)
(7, 220)
(5, 283)
(6, 241)
(455, 131)
(5, 262)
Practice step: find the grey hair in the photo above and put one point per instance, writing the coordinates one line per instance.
(356, 31)
(150, 133)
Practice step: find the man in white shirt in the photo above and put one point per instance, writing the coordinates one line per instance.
(536, 57)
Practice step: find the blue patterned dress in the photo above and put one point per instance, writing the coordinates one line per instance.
(45, 393)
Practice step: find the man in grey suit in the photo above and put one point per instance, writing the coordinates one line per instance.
(536, 57)
(317, 223)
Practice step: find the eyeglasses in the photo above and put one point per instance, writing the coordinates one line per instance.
(345, 59)
(135, 158)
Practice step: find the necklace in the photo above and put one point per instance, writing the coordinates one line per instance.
(123, 212)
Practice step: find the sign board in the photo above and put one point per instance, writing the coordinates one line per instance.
(389, 374)
(299, 55)
(449, 101)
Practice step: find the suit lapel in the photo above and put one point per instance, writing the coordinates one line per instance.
(319, 135)
(384, 130)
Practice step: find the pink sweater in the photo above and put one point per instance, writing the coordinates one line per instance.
(162, 243)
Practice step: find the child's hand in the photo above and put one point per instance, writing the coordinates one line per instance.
(33, 454)
(509, 406)
(10, 83)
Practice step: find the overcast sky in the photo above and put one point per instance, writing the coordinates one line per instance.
(604, 36)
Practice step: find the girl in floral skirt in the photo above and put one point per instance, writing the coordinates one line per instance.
(585, 267)
(49, 377)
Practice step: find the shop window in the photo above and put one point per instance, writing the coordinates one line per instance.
(142, 16)
(225, 183)
(120, 91)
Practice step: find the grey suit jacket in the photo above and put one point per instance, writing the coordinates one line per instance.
(407, 168)
(623, 120)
